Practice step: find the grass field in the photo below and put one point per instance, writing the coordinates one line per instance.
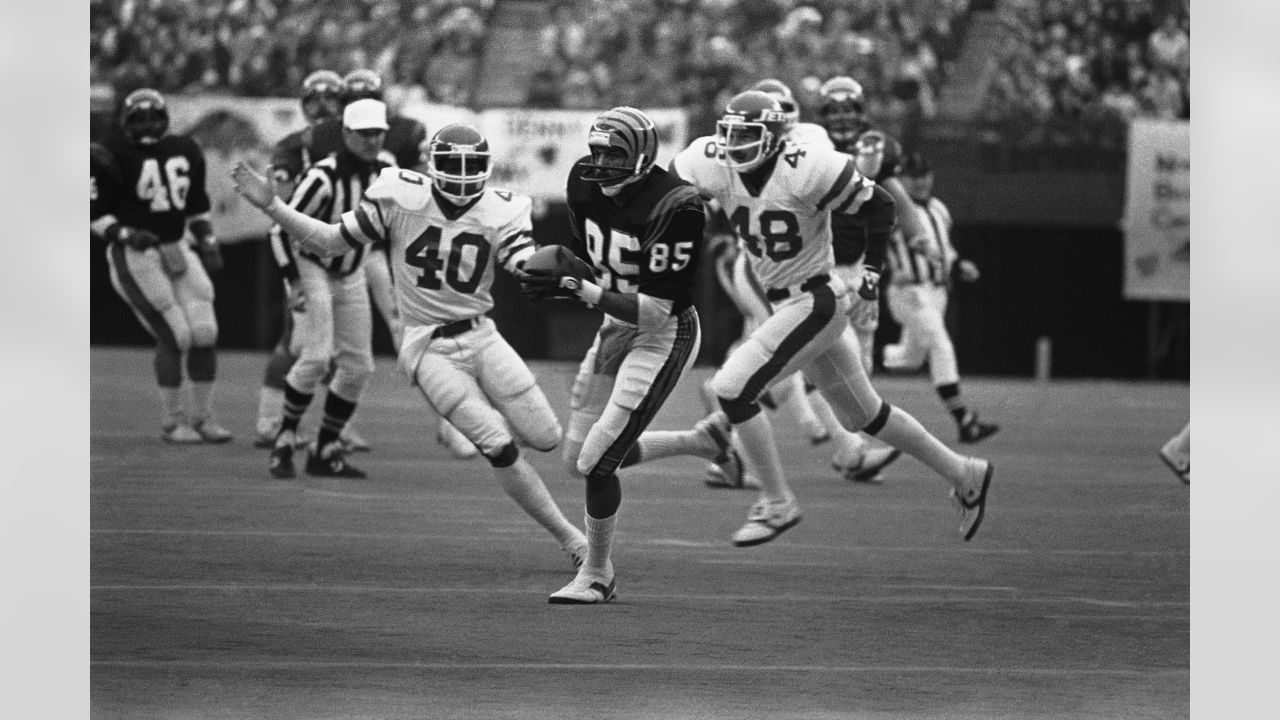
(217, 592)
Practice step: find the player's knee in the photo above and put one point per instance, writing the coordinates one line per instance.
(349, 383)
(738, 411)
(204, 334)
(569, 458)
(504, 456)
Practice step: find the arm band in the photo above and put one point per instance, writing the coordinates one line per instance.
(590, 293)
(201, 228)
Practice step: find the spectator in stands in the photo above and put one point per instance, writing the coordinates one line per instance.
(1170, 46)
(1161, 95)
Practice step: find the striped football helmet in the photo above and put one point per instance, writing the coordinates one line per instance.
(624, 146)
(321, 95)
(841, 108)
(144, 116)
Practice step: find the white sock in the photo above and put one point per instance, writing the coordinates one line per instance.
(760, 452)
(656, 444)
(846, 446)
(599, 542)
(794, 408)
(907, 434)
(270, 404)
(523, 484)
(201, 401)
(171, 405)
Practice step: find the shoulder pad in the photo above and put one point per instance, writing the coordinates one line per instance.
(406, 188)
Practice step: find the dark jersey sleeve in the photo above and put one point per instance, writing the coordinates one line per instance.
(577, 194)
(287, 157)
(197, 194)
(104, 182)
(672, 246)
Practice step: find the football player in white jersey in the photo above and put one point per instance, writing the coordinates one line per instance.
(637, 235)
(780, 198)
(448, 232)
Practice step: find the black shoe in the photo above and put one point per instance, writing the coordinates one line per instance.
(281, 462)
(330, 461)
(972, 430)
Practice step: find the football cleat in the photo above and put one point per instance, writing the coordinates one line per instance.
(586, 590)
(331, 461)
(211, 432)
(722, 476)
(730, 472)
(972, 505)
(1180, 467)
(265, 433)
(971, 430)
(767, 520)
(868, 467)
(280, 464)
(352, 441)
(180, 434)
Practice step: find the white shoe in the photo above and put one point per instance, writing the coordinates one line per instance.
(586, 590)
(1181, 466)
(972, 505)
(729, 471)
(453, 439)
(211, 432)
(352, 440)
(721, 476)
(180, 434)
(767, 520)
(265, 433)
(869, 465)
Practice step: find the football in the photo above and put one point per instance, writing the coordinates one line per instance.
(550, 259)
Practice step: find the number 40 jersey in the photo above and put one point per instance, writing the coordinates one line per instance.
(442, 257)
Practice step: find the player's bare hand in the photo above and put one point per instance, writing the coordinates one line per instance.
(869, 284)
(253, 186)
(967, 271)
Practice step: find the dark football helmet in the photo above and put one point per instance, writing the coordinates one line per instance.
(783, 95)
(144, 116)
(624, 145)
(458, 162)
(840, 109)
(751, 130)
(361, 84)
(321, 95)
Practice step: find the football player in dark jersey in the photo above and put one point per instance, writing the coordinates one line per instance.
(878, 156)
(146, 191)
(637, 234)
(321, 99)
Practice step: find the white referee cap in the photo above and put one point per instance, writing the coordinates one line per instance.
(365, 114)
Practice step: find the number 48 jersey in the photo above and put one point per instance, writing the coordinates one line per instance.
(442, 258)
(785, 224)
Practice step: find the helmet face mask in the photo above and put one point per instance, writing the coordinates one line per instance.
(145, 117)
(458, 162)
(751, 130)
(321, 96)
(841, 112)
(624, 146)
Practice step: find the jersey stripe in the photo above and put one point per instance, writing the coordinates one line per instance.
(679, 198)
(860, 194)
(366, 224)
(839, 185)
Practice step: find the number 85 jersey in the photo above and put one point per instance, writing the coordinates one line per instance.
(785, 223)
(647, 239)
(442, 257)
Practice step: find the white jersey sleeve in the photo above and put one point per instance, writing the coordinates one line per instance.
(394, 188)
(699, 166)
(514, 232)
(809, 134)
(833, 182)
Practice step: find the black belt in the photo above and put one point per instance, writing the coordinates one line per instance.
(457, 327)
(817, 281)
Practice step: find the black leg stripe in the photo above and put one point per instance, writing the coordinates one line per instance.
(663, 383)
(824, 308)
(152, 318)
(877, 422)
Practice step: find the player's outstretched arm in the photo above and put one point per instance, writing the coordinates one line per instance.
(322, 238)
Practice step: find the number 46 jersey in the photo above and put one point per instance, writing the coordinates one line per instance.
(785, 224)
(442, 258)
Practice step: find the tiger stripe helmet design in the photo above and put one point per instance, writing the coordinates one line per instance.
(321, 95)
(361, 84)
(840, 112)
(144, 116)
(624, 146)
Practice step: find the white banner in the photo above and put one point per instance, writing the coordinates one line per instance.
(1157, 216)
(533, 150)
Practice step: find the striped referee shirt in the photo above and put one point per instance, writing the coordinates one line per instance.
(931, 265)
(328, 189)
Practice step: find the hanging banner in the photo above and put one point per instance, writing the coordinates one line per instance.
(1157, 216)
(533, 150)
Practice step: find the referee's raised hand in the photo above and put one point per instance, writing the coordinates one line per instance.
(258, 189)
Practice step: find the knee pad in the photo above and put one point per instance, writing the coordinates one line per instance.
(505, 457)
(307, 372)
(349, 384)
(739, 411)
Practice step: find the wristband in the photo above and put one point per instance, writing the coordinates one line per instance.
(590, 293)
(202, 229)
